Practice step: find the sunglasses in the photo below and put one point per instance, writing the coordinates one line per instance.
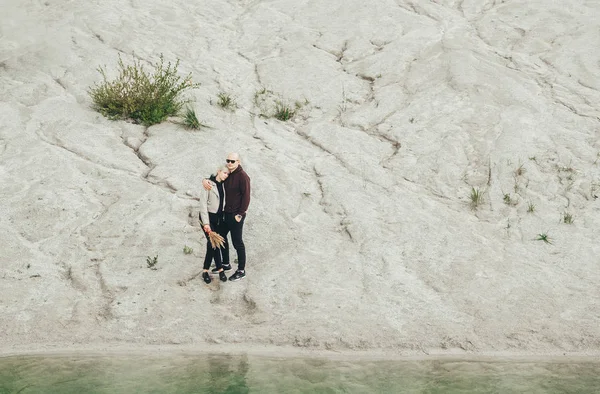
(230, 161)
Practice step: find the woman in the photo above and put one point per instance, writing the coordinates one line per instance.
(212, 203)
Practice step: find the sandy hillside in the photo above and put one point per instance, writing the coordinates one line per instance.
(360, 233)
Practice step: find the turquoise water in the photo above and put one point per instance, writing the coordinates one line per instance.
(184, 374)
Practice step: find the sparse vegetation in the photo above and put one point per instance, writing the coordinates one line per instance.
(190, 120)
(544, 237)
(271, 105)
(476, 197)
(261, 99)
(567, 218)
(187, 250)
(566, 168)
(283, 111)
(152, 261)
(530, 207)
(520, 170)
(225, 101)
(507, 227)
(146, 98)
(507, 199)
(343, 106)
(259, 93)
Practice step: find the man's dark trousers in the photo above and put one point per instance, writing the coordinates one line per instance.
(236, 228)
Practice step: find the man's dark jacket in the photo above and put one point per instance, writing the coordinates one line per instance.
(237, 192)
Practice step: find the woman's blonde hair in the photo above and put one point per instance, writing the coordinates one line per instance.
(222, 169)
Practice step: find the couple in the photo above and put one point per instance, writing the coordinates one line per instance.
(223, 204)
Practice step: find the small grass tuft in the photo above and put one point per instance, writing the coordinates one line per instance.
(567, 218)
(507, 200)
(516, 185)
(225, 101)
(283, 111)
(152, 261)
(530, 207)
(520, 170)
(544, 237)
(190, 120)
(272, 105)
(187, 250)
(476, 197)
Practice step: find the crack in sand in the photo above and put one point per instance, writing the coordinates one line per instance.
(71, 279)
(412, 8)
(345, 225)
(549, 86)
(460, 8)
(585, 85)
(105, 312)
(163, 183)
(60, 83)
(311, 140)
(322, 202)
(344, 220)
(574, 110)
(262, 141)
(62, 146)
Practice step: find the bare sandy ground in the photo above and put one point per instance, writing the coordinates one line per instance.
(360, 234)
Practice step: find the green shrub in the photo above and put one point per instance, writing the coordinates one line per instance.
(135, 94)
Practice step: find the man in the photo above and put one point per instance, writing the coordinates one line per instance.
(237, 200)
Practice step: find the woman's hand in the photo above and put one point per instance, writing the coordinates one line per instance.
(207, 228)
(206, 184)
(238, 218)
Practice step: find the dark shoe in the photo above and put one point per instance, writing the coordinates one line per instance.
(226, 267)
(206, 277)
(222, 276)
(237, 276)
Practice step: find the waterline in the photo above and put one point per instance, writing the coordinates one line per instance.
(220, 373)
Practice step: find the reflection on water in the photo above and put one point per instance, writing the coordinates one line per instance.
(183, 374)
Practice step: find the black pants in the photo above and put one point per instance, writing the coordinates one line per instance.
(235, 228)
(216, 224)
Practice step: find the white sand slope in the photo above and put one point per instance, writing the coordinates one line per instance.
(359, 233)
